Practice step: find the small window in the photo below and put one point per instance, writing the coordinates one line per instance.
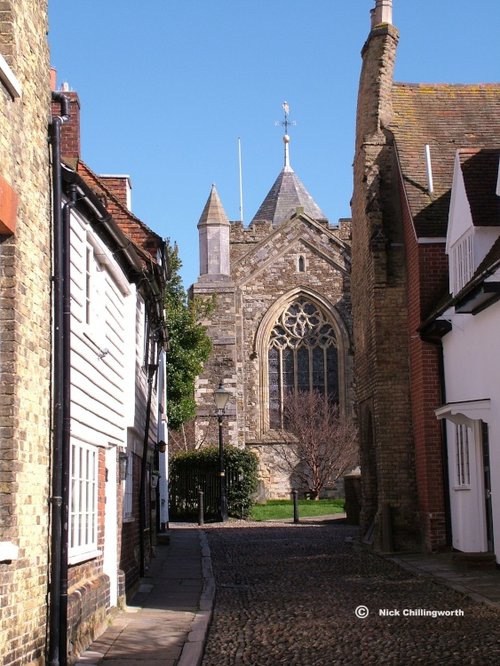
(463, 263)
(301, 264)
(462, 447)
(128, 490)
(83, 500)
(94, 292)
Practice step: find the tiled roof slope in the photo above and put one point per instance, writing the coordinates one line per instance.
(446, 117)
(480, 172)
(138, 232)
(285, 196)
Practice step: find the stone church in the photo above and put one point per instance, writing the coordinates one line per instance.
(281, 319)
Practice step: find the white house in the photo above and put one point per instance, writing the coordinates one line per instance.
(109, 360)
(470, 353)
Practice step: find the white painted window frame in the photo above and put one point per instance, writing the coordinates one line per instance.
(463, 262)
(463, 438)
(94, 297)
(83, 505)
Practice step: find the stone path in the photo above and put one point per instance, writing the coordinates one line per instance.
(167, 621)
(288, 594)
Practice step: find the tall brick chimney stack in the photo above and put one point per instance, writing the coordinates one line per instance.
(382, 12)
(70, 131)
(374, 110)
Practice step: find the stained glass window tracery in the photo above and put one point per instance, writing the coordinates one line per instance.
(302, 355)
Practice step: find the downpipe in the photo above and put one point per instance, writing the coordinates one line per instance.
(56, 655)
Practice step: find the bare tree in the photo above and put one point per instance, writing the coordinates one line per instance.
(317, 444)
(185, 438)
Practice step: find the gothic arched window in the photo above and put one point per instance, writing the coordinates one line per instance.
(302, 356)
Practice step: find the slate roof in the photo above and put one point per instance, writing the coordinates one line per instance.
(285, 196)
(480, 172)
(447, 117)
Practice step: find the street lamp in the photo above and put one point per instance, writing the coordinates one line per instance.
(221, 397)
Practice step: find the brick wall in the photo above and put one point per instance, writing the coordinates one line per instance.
(25, 331)
(70, 130)
(129, 552)
(379, 299)
(427, 268)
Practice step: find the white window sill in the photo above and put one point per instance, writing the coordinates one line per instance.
(464, 487)
(8, 78)
(8, 551)
(83, 557)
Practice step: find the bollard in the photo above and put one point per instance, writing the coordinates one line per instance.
(295, 506)
(200, 508)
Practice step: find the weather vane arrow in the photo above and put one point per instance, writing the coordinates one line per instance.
(286, 123)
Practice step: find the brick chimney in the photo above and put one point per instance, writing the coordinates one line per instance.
(374, 109)
(70, 130)
(120, 186)
(382, 12)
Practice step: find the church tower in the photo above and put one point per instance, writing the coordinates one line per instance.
(288, 265)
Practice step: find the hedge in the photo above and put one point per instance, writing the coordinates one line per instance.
(199, 470)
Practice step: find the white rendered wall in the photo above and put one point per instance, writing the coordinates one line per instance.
(472, 371)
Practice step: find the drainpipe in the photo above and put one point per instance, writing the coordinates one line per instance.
(56, 656)
(151, 369)
(66, 421)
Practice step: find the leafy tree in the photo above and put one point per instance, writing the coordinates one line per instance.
(318, 444)
(188, 344)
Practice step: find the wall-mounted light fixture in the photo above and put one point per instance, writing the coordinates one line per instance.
(123, 464)
(161, 446)
(155, 477)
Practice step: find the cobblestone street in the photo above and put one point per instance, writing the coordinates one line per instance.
(287, 594)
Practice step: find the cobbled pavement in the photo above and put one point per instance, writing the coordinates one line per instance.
(287, 594)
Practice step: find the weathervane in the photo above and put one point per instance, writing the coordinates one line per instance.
(286, 123)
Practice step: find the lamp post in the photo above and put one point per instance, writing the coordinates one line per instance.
(221, 397)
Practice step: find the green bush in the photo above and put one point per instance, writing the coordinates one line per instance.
(192, 471)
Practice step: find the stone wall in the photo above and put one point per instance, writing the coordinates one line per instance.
(265, 276)
(25, 334)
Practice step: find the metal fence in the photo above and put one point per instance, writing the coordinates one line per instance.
(185, 487)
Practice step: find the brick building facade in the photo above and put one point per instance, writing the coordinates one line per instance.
(54, 599)
(288, 265)
(406, 137)
(25, 330)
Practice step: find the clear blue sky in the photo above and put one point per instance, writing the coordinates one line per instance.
(168, 86)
